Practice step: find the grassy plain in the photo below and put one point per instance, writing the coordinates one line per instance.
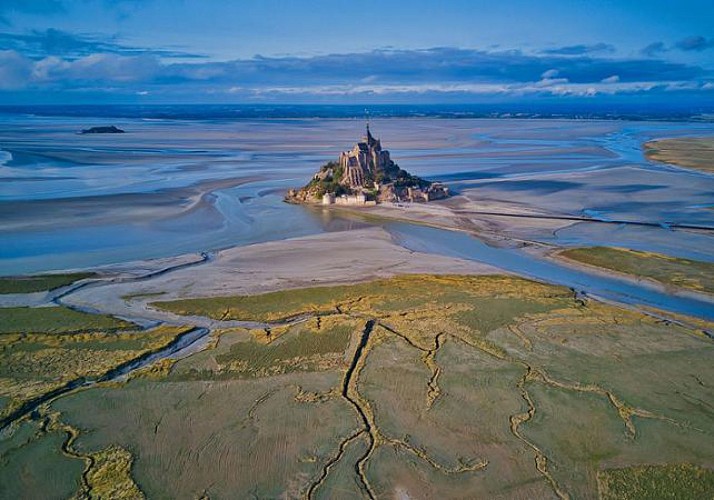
(309, 346)
(32, 465)
(42, 349)
(690, 152)
(674, 271)
(381, 296)
(413, 387)
(671, 482)
(56, 320)
(40, 283)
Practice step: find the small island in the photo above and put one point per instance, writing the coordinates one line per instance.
(102, 130)
(366, 175)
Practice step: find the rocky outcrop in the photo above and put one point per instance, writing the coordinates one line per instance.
(102, 130)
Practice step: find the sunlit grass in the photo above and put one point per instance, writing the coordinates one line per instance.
(693, 274)
(690, 152)
(671, 482)
(56, 320)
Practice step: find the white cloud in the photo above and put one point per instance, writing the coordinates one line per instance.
(114, 68)
(550, 82)
(564, 88)
(447, 88)
(677, 86)
(437, 71)
(15, 70)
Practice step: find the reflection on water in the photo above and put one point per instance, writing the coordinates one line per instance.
(259, 220)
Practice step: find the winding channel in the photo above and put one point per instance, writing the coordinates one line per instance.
(181, 342)
(416, 238)
(457, 244)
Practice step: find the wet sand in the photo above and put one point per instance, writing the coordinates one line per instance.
(170, 187)
(334, 258)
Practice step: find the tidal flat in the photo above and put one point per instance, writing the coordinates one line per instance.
(171, 187)
(419, 385)
(281, 351)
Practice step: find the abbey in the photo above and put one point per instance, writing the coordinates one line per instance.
(366, 175)
(365, 162)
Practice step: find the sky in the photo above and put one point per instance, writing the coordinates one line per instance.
(367, 51)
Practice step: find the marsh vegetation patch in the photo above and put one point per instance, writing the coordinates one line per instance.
(381, 296)
(40, 283)
(57, 319)
(243, 353)
(665, 269)
(37, 363)
(665, 482)
(435, 386)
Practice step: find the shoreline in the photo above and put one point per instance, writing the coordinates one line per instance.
(126, 290)
(243, 270)
(442, 214)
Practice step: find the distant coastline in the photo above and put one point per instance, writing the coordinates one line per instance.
(231, 112)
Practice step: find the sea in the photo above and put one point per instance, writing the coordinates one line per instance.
(204, 177)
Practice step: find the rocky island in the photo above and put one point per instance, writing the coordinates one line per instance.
(112, 129)
(366, 175)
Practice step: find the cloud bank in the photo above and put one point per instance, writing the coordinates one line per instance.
(60, 62)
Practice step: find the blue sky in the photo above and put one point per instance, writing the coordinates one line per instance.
(253, 51)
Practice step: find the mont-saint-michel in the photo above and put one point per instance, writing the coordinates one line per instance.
(502, 289)
(366, 175)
